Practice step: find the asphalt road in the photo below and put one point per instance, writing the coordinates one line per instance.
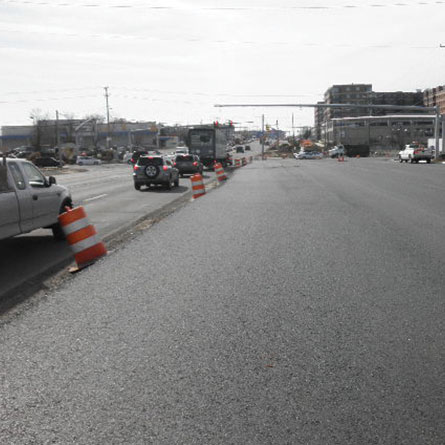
(300, 303)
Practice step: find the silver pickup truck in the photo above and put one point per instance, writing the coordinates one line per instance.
(29, 200)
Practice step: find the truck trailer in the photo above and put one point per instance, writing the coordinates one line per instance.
(210, 144)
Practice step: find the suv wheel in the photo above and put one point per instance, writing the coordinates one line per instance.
(168, 186)
(177, 182)
(137, 186)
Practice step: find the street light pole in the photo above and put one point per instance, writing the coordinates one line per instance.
(108, 117)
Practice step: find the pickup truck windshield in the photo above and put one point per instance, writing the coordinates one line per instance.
(33, 174)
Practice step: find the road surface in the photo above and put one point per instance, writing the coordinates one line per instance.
(300, 303)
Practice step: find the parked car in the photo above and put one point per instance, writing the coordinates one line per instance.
(338, 150)
(155, 170)
(247, 147)
(308, 155)
(47, 162)
(29, 200)
(415, 153)
(87, 160)
(188, 164)
(239, 149)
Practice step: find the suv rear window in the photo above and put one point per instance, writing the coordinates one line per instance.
(185, 158)
(143, 160)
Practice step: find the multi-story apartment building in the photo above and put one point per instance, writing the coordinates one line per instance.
(403, 98)
(359, 94)
(362, 94)
(435, 97)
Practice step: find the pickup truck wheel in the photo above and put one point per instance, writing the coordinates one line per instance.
(56, 228)
(428, 161)
(412, 161)
(400, 159)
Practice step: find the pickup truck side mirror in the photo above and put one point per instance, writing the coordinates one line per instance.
(51, 181)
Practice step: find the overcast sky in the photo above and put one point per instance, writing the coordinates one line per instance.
(172, 60)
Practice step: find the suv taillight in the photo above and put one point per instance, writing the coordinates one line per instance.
(136, 167)
(195, 164)
(165, 168)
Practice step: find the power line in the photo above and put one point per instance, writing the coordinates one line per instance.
(58, 90)
(238, 8)
(218, 41)
(46, 99)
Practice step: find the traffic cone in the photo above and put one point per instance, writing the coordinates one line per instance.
(82, 237)
(198, 188)
(220, 174)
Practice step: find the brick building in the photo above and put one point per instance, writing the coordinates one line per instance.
(435, 97)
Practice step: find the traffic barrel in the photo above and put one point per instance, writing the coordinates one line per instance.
(198, 188)
(237, 163)
(220, 174)
(81, 236)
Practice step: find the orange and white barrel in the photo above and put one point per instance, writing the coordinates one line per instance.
(244, 161)
(198, 188)
(237, 163)
(220, 174)
(81, 236)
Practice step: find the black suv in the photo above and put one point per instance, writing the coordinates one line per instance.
(188, 164)
(47, 162)
(155, 170)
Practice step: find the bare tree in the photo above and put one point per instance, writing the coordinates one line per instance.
(42, 131)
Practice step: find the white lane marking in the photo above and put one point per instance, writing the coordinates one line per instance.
(95, 197)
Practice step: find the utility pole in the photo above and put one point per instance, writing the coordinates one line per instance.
(443, 136)
(436, 132)
(58, 136)
(262, 137)
(278, 135)
(108, 117)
